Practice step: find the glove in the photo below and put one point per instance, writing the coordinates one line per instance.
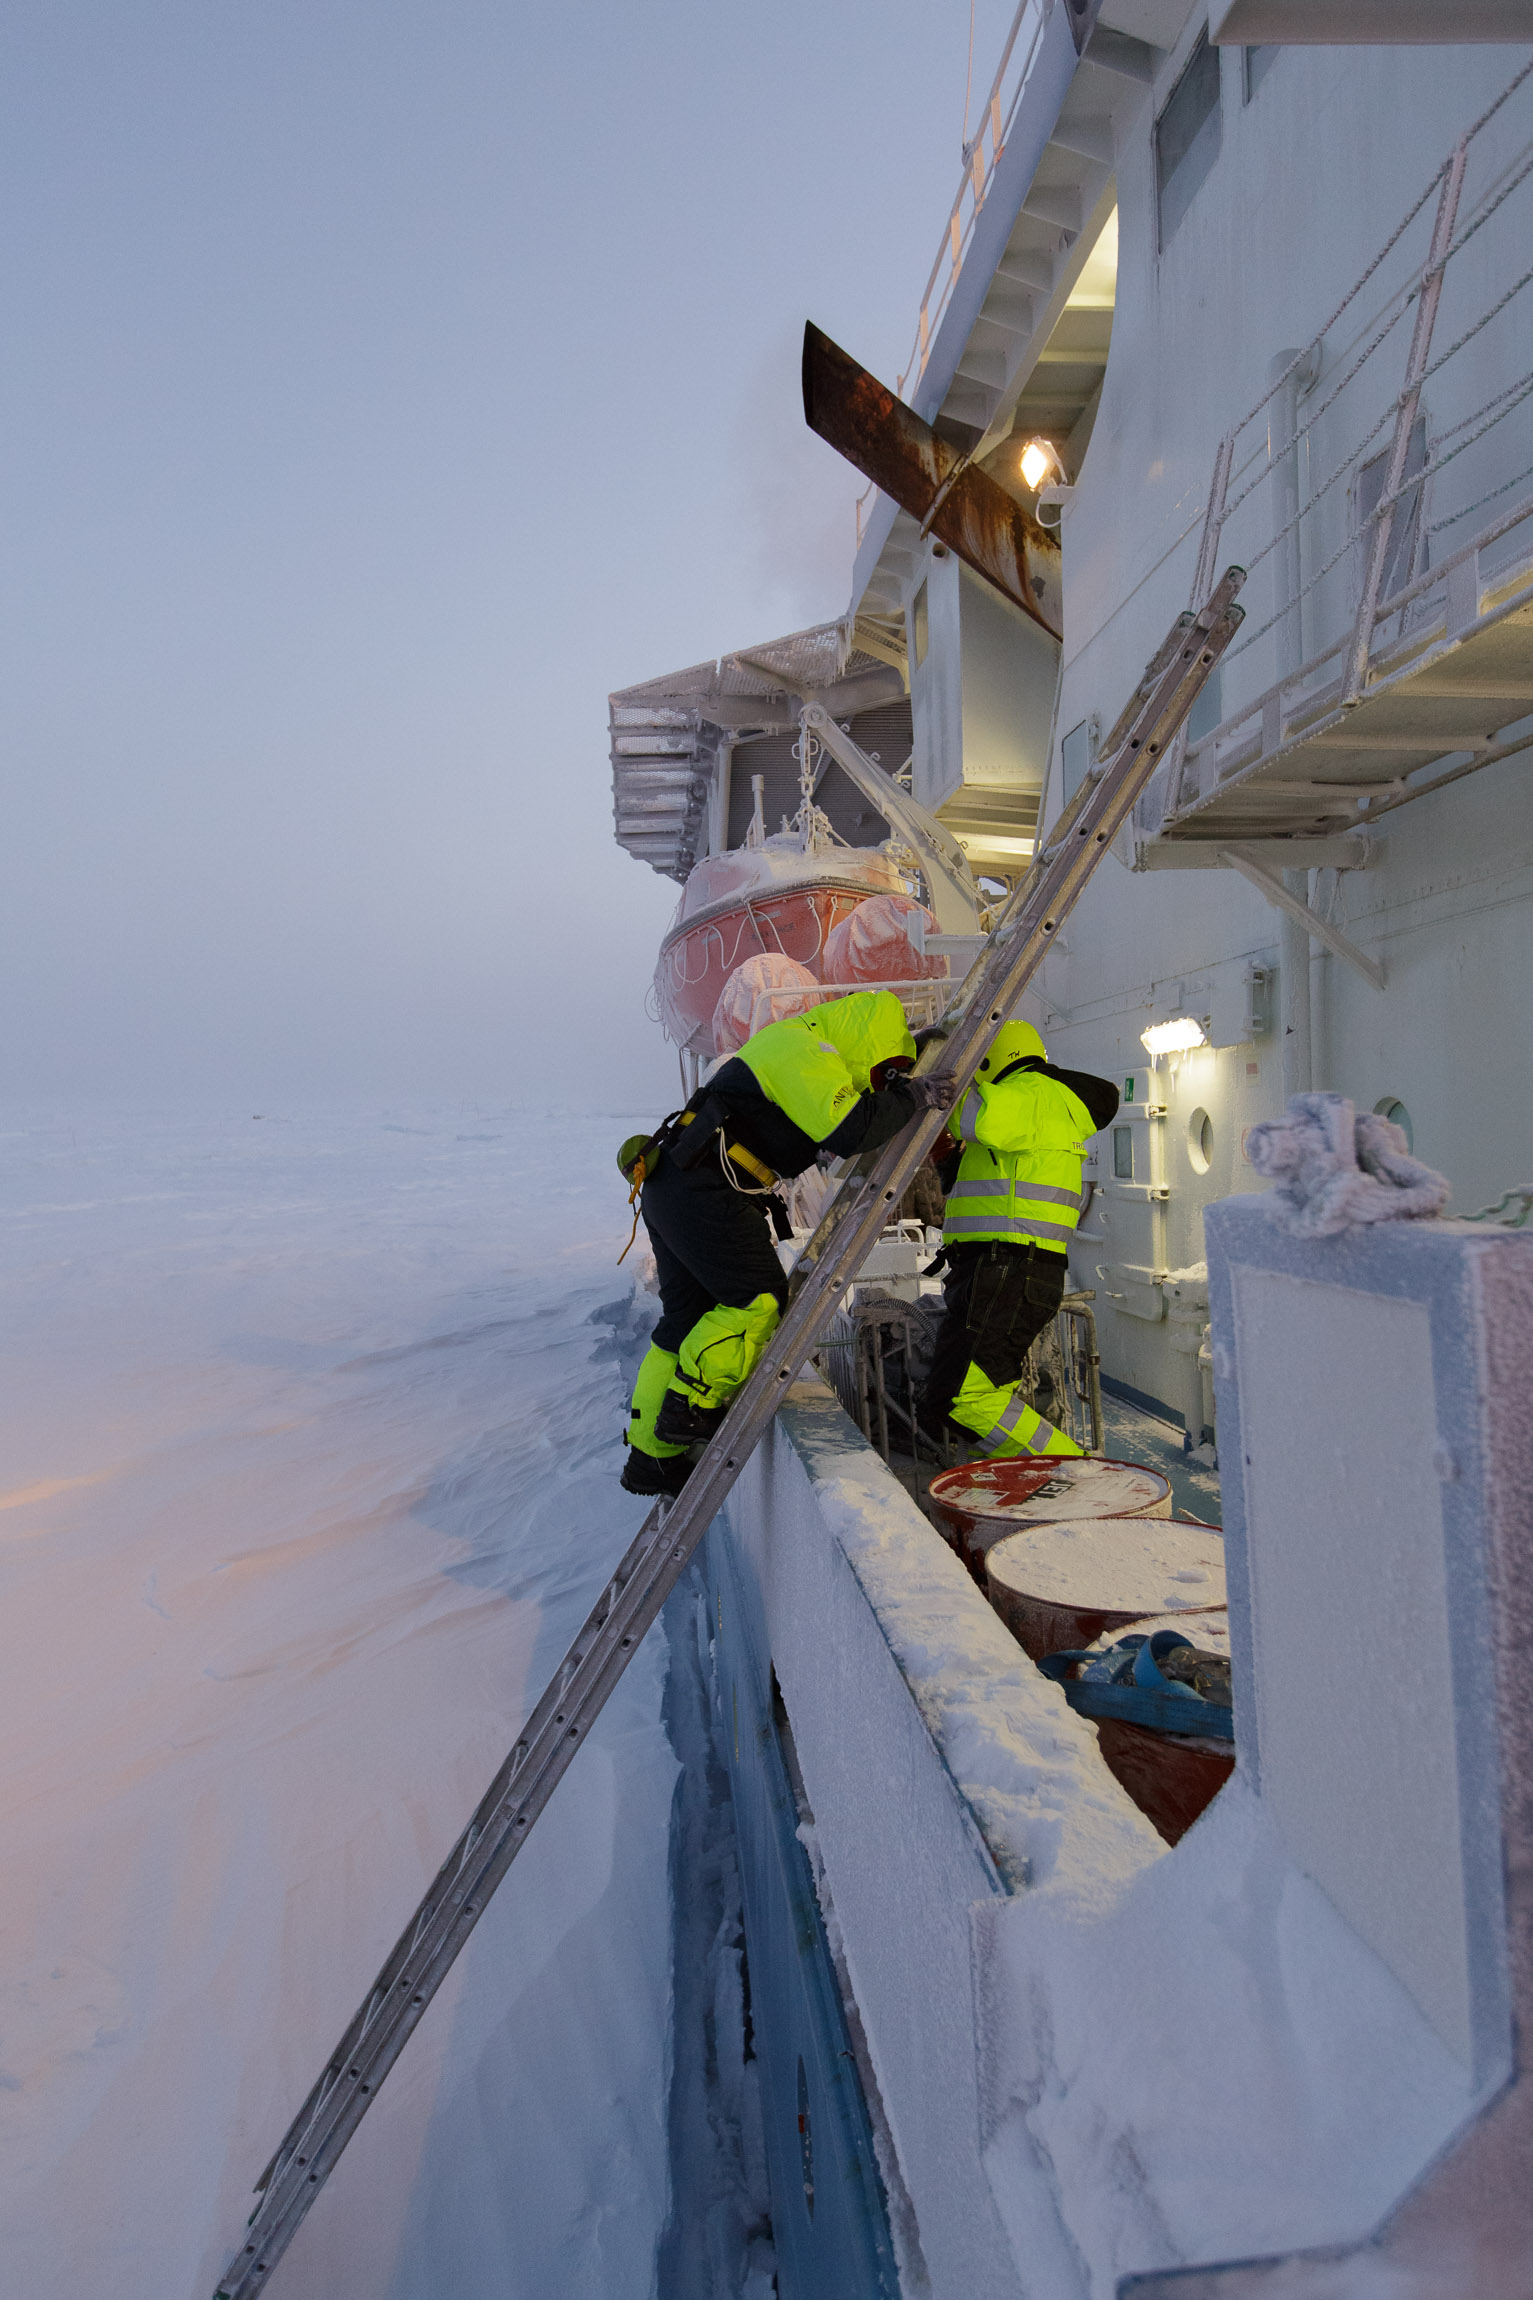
(932, 1036)
(930, 1093)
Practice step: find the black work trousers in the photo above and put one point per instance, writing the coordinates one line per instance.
(996, 1301)
(712, 1245)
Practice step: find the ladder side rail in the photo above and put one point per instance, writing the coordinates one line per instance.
(1029, 924)
(426, 1951)
(455, 1899)
(1130, 714)
(1213, 519)
(632, 1597)
(1065, 820)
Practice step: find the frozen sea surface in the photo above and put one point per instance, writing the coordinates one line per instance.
(309, 1432)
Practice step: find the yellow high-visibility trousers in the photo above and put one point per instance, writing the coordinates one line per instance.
(1004, 1424)
(722, 1351)
(654, 1379)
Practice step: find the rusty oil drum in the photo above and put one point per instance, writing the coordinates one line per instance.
(1060, 1588)
(981, 1502)
(1171, 1777)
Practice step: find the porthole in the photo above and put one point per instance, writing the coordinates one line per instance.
(1200, 1141)
(1398, 1115)
(1123, 1153)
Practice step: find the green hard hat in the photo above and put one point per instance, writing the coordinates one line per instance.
(628, 1157)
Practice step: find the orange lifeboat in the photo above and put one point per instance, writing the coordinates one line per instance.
(775, 898)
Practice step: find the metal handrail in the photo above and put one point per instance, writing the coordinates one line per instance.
(1301, 685)
(1399, 413)
(1263, 448)
(928, 994)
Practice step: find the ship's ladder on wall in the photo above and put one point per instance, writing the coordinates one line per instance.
(562, 1719)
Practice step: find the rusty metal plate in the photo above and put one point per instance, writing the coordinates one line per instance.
(957, 502)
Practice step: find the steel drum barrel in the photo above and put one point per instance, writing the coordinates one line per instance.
(1060, 1587)
(982, 1502)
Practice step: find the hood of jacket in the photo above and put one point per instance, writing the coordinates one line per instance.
(865, 1029)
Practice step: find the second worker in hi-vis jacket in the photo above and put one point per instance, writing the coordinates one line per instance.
(1013, 1188)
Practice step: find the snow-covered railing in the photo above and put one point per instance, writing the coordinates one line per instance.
(1364, 449)
(925, 1002)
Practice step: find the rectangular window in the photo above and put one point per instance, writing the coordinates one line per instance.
(1405, 534)
(1255, 64)
(1187, 136)
(918, 625)
(1123, 1153)
(1074, 760)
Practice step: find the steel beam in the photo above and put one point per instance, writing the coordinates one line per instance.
(1295, 907)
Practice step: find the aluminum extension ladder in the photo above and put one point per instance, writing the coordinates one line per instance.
(563, 1717)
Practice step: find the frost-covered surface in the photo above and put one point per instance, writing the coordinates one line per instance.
(1193, 1477)
(1182, 2055)
(1051, 1813)
(1152, 1564)
(1215, 2068)
(310, 1445)
(1033, 1493)
(779, 863)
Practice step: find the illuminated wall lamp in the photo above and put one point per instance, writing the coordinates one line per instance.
(1038, 456)
(1178, 1036)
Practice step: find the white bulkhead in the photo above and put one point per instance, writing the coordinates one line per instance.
(1250, 190)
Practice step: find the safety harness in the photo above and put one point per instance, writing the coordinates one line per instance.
(641, 1154)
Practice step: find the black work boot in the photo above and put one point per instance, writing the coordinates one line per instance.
(680, 1422)
(650, 1473)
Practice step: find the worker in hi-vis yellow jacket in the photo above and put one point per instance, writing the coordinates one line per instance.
(829, 1080)
(1013, 1183)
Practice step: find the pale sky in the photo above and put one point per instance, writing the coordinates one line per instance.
(381, 385)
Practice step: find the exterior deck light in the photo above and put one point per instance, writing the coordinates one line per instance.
(1037, 456)
(1174, 1037)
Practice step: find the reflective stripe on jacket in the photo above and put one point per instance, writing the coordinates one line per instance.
(1024, 1138)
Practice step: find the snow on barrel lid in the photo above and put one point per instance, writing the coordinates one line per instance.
(1027, 1490)
(1108, 1565)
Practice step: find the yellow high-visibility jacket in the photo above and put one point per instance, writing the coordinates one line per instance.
(805, 1083)
(1024, 1136)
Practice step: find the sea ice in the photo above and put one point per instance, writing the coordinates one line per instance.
(309, 1449)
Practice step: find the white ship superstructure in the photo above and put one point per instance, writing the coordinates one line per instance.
(1345, 898)
(1334, 880)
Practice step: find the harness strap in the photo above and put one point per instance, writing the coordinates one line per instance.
(753, 1165)
(633, 1200)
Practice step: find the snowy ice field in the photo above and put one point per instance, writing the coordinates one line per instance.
(311, 1429)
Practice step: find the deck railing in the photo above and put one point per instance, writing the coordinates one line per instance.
(925, 1002)
(1354, 479)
